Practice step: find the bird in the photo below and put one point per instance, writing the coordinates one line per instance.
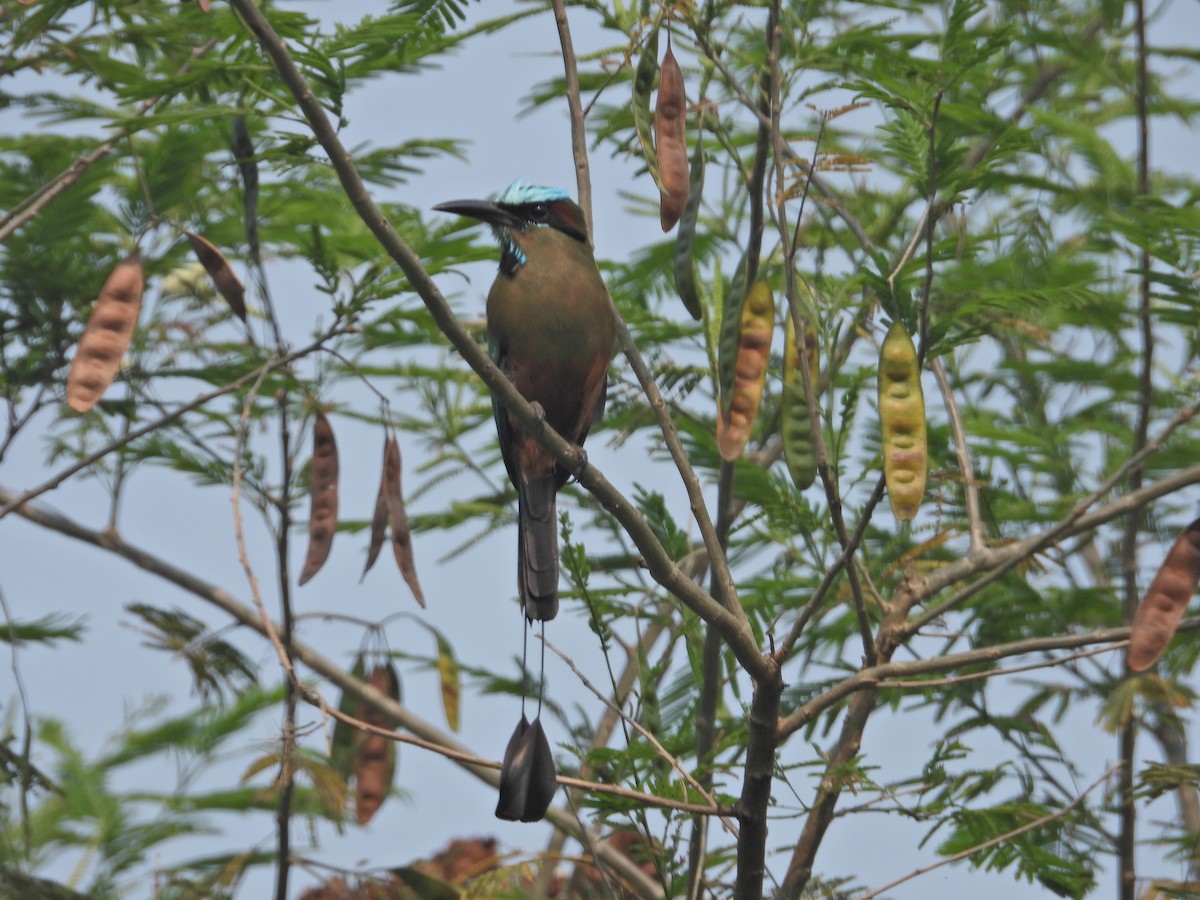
(551, 330)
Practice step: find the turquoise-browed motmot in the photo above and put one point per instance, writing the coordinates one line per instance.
(551, 330)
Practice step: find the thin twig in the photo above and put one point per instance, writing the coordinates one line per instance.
(583, 176)
(1012, 670)
(1000, 560)
(884, 672)
(654, 742)
(966, 468)
(423, 734)
(235, 385)
(24, 776)
(28, 208)
(735, 628)
(724, 588)
(999, 839)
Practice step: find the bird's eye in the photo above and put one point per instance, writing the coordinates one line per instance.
(539, 212)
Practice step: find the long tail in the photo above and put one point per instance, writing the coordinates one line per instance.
(537, 548)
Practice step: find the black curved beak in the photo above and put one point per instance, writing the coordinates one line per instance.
(483, 210)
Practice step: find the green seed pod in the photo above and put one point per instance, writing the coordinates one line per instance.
(902, 422)
(753, 350)
(643, 84)
(727, 339)
(795, 429)
(685, 241)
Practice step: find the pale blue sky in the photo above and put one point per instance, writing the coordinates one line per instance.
(475, 95)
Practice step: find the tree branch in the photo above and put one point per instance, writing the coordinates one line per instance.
(15, 502)
(734, 629)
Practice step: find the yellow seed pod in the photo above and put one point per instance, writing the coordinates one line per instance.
(795, 430)
(902, 422)
(749, 372)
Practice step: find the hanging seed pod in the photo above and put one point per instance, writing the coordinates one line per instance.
(795, 429)
(375, 758)
(401, 536)
(106, 335)
(902, 421)
(344, 742)
(1161, 610)
(730, 330)
(753, 350)
(227, 283)
(389, 506)
(670, 140)
(686, 278)
(643, 84)
(323, 490)
(379, 520)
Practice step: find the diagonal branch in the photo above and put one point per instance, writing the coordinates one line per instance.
(998, 839)
(734, 629)
(422, 734)
(723, 584)
(15, 502)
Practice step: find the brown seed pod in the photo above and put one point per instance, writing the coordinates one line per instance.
(375, 758)
(749, 373)
(379, 518)
(401, 536)
(323, 489)
(1162, 609)
(670, 140)
(218, 268)
(106, 335)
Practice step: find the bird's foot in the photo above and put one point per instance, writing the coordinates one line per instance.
(582, 464)
(539, 417)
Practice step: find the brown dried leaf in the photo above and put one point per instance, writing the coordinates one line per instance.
(218, 268)
(323, 490)
(106, 335)
(451, 681)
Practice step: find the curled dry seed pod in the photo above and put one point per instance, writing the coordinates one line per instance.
(401, 536)
(106, 335)
(1161, 610)
(902, 421)
(795, 429)
(323, 489)
(749, 371)
(218, 268)
(670, 140)
(375, 758)
(685, 241)
(379, 519)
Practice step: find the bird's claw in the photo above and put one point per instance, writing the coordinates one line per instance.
(582, 464)
(539, 416)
